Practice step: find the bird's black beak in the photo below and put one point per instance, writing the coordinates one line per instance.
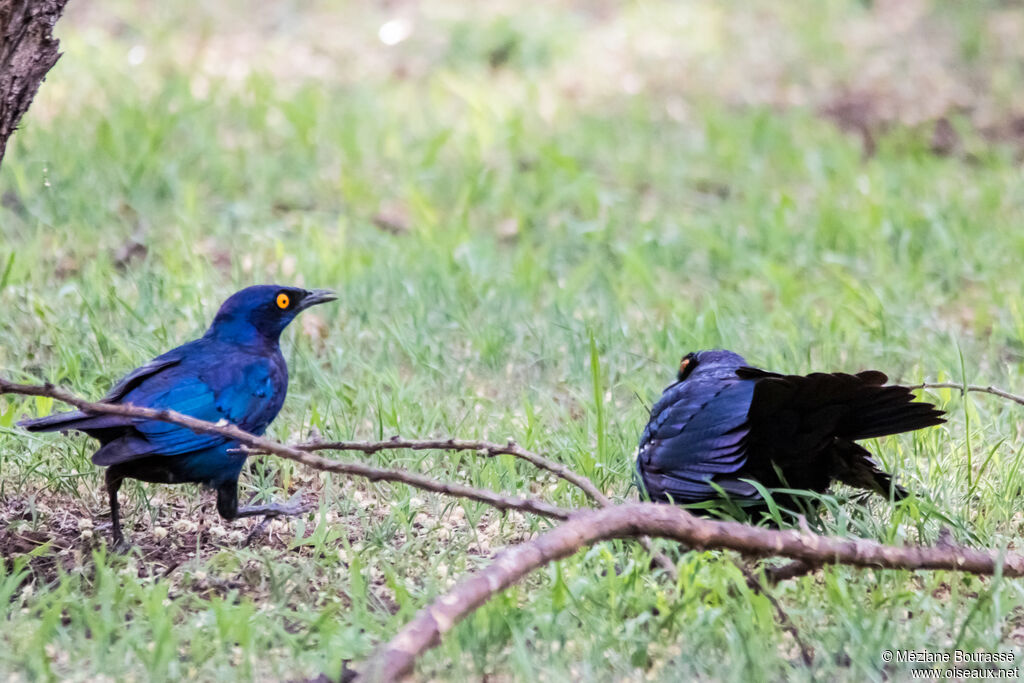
(317, 296)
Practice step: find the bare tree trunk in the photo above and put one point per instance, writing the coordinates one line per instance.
(28, 51)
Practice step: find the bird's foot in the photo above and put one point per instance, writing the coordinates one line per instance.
(274, 510)
(118, 544)
(292, 508)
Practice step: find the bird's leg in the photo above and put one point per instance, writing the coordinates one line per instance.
(114, 479)
(227, 505)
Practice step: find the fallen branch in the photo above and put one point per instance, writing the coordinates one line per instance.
(258, 444)
(995, 391)
(397, 658)
(486, 496)
(490, 449)
(486, 448)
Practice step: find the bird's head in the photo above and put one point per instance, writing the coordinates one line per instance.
(715, 361)
(262, 312)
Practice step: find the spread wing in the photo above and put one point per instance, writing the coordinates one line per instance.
(806, 425)
(804, 413)
(726, 428)
(697, 434)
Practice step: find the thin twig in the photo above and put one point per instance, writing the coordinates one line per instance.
(790, 570)
(302, 454)
(256, 532)
(223, 428)
(490, 449)
(995, 391)
(397, 658)
(485, 448)
(756, 585)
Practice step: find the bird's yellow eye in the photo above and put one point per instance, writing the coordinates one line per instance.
(283, 300)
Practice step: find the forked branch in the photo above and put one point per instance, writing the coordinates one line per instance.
(995, 391)
(486, 448)
(491, 449)
(258, 443)
(396, 659)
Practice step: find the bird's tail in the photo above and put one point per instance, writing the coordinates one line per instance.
(861, 405)
(854, 466)
(75, 419)
(54, 423)
(873, 410)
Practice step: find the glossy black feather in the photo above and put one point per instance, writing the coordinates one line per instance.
(727, 422)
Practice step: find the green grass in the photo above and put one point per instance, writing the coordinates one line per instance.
(563, 243)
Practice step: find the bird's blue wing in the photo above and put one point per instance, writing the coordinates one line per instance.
(697, 434)
(244, 395)
(139, 375)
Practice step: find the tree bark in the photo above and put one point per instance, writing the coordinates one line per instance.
(28, 51)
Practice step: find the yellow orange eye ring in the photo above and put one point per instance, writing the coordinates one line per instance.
(283, 300)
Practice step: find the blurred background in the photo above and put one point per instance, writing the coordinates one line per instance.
(673, 139)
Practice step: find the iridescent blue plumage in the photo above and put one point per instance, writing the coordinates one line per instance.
(234, 372)
(697, 432)
(723, 424)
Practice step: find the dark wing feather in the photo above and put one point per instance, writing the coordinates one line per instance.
(846, 406)
(806, 425)
(135, 378)
(854, 466)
